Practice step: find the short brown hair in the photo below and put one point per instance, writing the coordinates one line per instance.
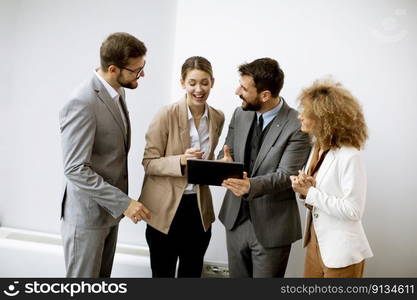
(196, 63)
(118, 48)
(266, 74)
(338, 116)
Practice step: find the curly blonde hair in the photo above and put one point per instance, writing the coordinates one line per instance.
(337, 115)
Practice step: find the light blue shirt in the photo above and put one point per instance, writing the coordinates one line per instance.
(270, 114)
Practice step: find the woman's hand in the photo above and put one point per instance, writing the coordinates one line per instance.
(305, 179)
(302, 183)
(190, 153)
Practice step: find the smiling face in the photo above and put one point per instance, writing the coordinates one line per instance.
(248, 93)
(197, 84)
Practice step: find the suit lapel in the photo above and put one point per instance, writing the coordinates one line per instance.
(310, 157)
(111, 106)
(307, 228)
(327, 162)
(242, 133)
(128, 129)
(213, 130)
(277, 125)
(183, 124)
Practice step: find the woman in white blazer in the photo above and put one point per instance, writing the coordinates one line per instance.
(333, 184)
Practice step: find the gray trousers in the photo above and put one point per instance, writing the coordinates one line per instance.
(89, 252)
(249, 259)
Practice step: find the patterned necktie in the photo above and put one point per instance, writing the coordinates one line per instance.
(258, 131)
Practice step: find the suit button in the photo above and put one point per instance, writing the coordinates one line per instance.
(316, 215)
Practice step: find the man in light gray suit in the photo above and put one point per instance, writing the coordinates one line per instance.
(260, 212)
(95, 133)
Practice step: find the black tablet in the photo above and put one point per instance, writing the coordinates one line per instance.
(212, 172)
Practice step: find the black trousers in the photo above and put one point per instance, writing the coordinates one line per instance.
(186, 242)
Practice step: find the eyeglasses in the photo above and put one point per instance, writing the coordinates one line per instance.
(138, 73)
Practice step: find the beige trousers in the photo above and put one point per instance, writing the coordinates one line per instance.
(314, 266)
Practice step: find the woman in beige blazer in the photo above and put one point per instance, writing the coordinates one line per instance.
(180, 227)
(334, 185)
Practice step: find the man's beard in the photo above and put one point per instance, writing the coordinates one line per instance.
(255, 106)
(128, 85)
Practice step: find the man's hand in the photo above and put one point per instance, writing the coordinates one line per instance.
(190, 153)
(136, 211)
(238, 187)
(227, 157)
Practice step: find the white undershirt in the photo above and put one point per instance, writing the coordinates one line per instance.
(199, 139)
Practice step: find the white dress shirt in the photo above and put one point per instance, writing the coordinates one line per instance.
(199, 139)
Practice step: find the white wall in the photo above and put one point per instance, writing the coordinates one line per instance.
(369, 46)
(50, 47)
(7, 17)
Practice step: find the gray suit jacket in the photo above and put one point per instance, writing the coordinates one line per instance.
(95, 149)
(272, 203)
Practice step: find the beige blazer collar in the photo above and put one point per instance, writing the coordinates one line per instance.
(183, 122)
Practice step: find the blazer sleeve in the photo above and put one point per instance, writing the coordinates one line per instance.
(292, 160)
(154, 160)
(352, 180)
(78, 128)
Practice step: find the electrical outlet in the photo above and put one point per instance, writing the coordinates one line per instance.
(215, 271)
